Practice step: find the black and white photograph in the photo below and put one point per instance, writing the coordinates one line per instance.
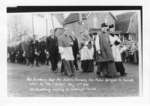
(74, 51)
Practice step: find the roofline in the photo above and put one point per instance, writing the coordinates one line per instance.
(74, 21)
(115, 18)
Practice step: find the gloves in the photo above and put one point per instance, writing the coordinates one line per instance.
(117, 43)
(99, 52)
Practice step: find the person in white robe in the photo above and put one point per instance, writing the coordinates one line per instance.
(116, 51)
(65, 49)
(87, 55)
(86, 52)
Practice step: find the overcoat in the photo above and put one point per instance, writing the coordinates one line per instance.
(105, 49)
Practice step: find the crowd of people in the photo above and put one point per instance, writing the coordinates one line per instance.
(100, 51)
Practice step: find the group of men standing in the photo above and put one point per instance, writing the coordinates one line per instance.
(101, 49)
(108, 51)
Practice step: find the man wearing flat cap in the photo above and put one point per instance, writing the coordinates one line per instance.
(104, 57)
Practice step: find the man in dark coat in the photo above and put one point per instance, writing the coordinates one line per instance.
(42, 52)
(31, 52)
(52, 48)
(105, 60)
(75, 49)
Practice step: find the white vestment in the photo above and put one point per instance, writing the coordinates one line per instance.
(86, 53)
(116, 51)
(97, 45)
(66, 53)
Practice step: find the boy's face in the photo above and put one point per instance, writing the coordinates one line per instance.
(111, 29)
(104, 29)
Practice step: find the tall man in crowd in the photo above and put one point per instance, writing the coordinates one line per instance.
(75, 48)
(31, 52)
(104, 58)
(52, 48)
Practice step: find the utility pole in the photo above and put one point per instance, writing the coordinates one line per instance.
(52, 21)
(33, 26)
(46, 26)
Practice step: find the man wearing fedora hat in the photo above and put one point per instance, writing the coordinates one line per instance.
(104, 57)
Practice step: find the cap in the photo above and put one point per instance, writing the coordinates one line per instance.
(111, 26)
(104, 25)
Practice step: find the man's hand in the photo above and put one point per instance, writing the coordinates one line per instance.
(71, 43)
(99, 52)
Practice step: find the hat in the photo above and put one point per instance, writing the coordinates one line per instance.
(104, 25)
(111, 26)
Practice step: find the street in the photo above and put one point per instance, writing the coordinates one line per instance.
(27, 81)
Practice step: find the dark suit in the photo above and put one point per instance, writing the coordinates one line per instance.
(75, 52)
(52, 47)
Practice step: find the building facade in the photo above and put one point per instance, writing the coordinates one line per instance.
(79, 22)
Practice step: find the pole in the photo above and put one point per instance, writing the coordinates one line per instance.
(46, 26)
(80, 17)
(52, 21)
(33, 26)
(87, 21)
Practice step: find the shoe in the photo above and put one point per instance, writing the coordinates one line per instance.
(72, 75)
(114, 76)
(38, 65)
(106, 76)
(55, 71)
(124, 74)
(77, 69)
